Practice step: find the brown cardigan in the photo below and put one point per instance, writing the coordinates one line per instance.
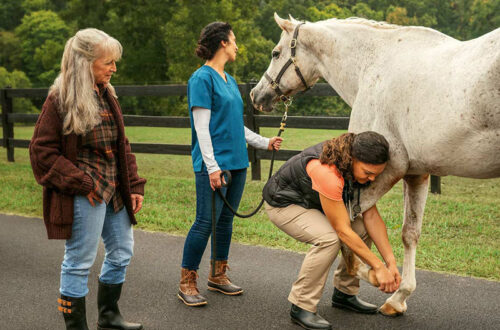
(53, 160)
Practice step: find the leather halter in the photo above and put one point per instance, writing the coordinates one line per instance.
(275, 83)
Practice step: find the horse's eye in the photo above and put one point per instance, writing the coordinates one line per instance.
(276, 54)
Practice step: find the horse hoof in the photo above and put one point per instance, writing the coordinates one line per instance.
(387, 310)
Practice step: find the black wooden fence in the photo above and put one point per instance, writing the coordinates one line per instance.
(253, 121)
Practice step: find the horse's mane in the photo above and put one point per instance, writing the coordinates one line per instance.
(380, 25)
(369, 22)
(383, 25)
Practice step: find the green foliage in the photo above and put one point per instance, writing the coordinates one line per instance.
(36, 5)
(484, 17)
(331, 11)
(43, 35)
(186, 22)
(140, 30)
(321, 106)
(398, 15)
(86, 13)
(17, 79)
(10, 50)
(363, 10)
(47, 56)
(11, 13)
(159, 36)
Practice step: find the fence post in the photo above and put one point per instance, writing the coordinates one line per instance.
(435, 184)
(252, 124)
(8, 128)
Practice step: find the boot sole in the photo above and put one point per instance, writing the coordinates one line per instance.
(305, 327)
(191, 304)
(334, 304)
(225, 292)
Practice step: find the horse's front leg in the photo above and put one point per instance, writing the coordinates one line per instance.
(415, 196)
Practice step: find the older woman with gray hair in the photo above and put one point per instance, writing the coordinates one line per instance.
(81, 157)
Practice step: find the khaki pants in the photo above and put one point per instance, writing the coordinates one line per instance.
(312, 226)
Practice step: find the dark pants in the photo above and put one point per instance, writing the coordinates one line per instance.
(197, 238)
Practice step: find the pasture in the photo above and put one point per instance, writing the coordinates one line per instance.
(460, 233)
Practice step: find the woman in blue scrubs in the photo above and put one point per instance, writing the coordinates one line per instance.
(219, 140)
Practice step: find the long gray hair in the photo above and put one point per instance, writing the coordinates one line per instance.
(74, 87)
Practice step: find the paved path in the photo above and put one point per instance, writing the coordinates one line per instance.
(29, 278)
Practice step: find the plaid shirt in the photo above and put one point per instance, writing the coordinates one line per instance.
(98, 158)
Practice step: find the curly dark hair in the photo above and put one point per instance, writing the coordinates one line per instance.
(368, 147)
(210, 38)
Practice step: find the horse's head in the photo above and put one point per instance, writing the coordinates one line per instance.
(290, 70)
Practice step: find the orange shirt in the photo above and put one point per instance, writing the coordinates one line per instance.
(326, 179)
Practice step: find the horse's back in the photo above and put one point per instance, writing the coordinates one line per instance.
(442, 102)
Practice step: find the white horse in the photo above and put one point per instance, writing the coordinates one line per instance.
(434, 98)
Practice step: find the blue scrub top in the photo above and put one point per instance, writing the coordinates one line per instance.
(207, 89)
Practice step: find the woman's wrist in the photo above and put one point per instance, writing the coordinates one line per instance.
(390, 261)
(377, 265)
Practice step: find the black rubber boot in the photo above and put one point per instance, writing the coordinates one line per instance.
(109, 313)
(308, 320)
(73, 310)
(346, 301)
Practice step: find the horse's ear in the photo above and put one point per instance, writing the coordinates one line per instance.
(293, 19)
(284, 24)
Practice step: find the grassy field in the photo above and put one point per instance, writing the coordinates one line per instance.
(460, 235)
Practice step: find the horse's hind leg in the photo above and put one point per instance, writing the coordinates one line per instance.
(415, 195)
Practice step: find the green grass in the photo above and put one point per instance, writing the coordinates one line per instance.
(460, 233)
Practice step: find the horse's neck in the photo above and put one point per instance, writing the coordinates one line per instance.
(344, 52)
(340, 57)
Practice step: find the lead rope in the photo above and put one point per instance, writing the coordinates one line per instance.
(228, 174)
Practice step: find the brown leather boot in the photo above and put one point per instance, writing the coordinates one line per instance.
(220, 282)
(188, 291)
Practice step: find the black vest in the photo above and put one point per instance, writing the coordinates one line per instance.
(292, 185)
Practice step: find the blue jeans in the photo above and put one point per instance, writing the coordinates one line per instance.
(89, 224)
(197, 238)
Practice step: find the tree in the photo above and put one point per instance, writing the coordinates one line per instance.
(314, 14)
(43, 35)
(159, 36)
(11, 13)
(398, 15)
(48, 56)
(36, 5)
(361, 9)
(17, 79)
(140, 29)
(485, 17)
(461, 8)
(86, 13)
(10, 50)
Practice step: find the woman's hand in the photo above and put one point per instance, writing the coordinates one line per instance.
(386, 279)
(275, 143)
(137, 202)
(377, 230)
(215, 180)
(395, 273)
(91, 196)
